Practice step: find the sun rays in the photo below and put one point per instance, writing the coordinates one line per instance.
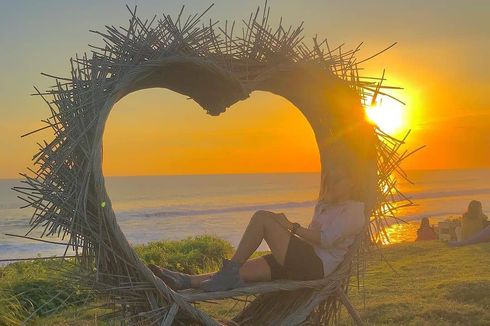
(388, 114)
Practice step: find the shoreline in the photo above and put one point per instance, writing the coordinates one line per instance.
(400, 232)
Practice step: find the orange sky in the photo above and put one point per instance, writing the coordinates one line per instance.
(441, 60)
(174, 135)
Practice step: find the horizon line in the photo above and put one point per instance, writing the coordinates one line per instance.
(248, 173)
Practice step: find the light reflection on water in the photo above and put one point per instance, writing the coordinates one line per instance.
(407, 232)
(402, 232)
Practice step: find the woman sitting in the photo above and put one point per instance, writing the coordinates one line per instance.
(473, 220)
(426, 231)
(475, 226)
(298, 253)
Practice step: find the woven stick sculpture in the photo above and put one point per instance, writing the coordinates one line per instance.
(216, 68)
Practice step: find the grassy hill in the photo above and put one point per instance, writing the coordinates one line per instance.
(413, 284)
(427, 284)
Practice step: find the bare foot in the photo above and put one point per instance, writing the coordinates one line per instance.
(175, 280)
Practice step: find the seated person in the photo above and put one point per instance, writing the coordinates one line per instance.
(473, 220)
(482, 236)
(298, 253)
(475, 226)
(426, 231)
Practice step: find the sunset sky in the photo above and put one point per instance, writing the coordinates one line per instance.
(441, 59)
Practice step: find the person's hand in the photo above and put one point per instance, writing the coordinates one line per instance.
(283, 221)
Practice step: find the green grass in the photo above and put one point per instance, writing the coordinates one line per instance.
(431, 284)
(38, 288)
(196, 255)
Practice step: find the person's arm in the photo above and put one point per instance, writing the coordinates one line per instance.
(313, 236)
(326, 237)
(350, 223)
(329, 236)
(310, 235)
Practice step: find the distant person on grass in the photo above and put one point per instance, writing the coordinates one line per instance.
(473, 220)
(475, 226)
(426, 231)
(298, 253)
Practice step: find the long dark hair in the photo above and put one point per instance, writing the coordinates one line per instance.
(474, 210)
(424, 223)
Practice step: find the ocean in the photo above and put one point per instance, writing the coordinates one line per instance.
(150, 208)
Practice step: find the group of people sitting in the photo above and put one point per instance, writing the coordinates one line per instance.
(475, 227)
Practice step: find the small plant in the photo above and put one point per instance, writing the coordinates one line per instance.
(11, 310)
(196, 255)
(38, 288)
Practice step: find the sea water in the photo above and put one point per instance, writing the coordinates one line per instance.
(150, 208)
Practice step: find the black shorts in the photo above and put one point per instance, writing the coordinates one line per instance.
(301, 262)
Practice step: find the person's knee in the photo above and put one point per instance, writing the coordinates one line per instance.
(262, 216)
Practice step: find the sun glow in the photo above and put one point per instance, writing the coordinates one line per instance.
(387, 113)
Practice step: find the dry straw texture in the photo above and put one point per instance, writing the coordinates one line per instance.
(216, 66)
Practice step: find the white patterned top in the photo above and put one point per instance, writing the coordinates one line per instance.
(339, 224)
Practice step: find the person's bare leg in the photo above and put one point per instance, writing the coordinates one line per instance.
(262, 226)
(482, 236)
(253, 270)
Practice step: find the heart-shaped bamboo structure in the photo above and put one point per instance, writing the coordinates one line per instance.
(215, 68)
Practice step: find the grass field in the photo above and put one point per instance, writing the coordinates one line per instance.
(427, 284)
(414, 284)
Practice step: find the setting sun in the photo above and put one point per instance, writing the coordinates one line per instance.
(387, 113)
